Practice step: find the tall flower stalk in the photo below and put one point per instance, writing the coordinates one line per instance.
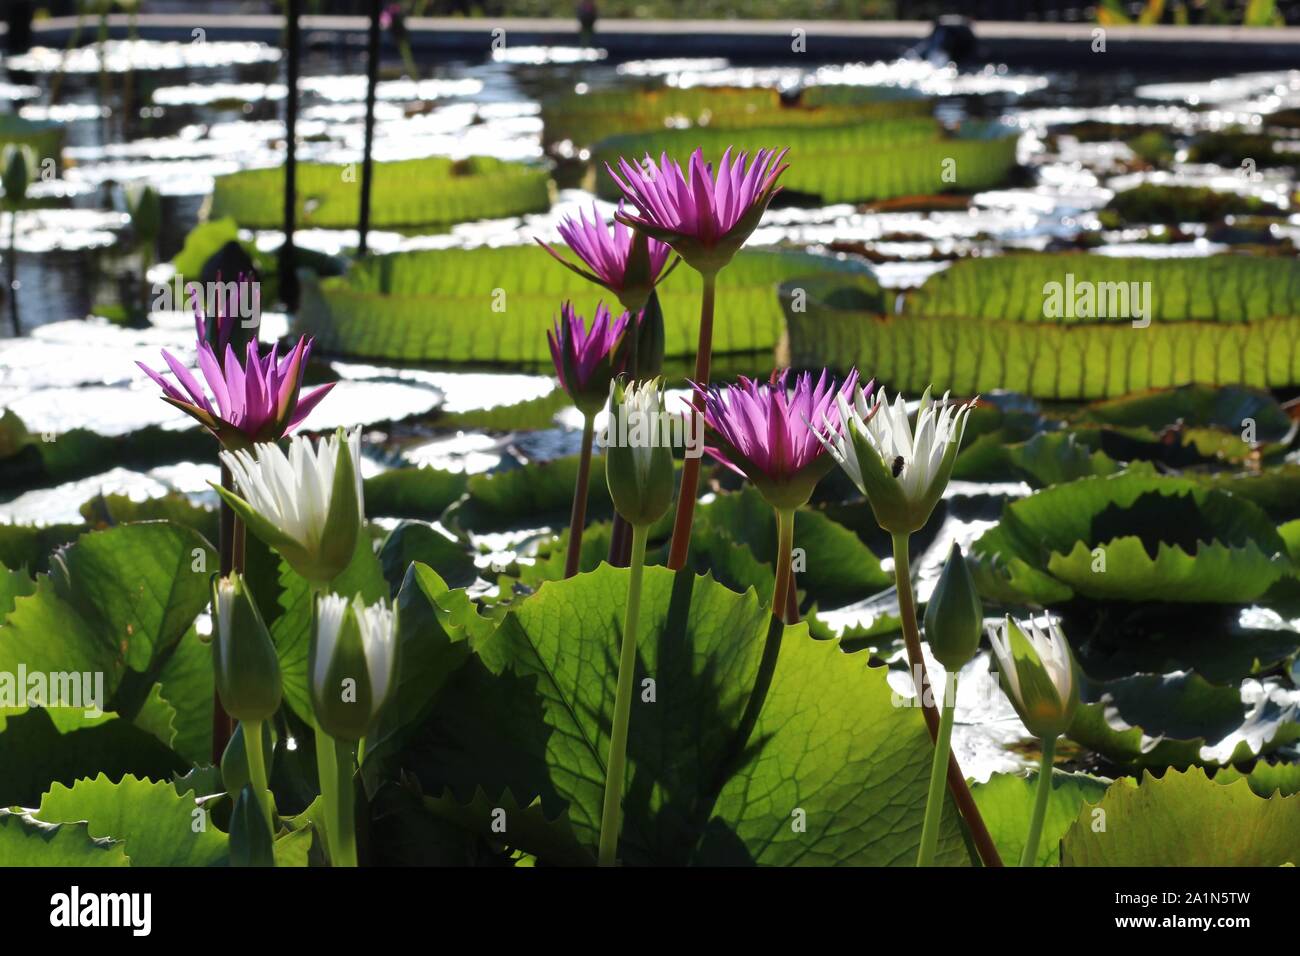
(1041, 679)
(903, 473)
(640, 478)
(763, 432)
(258, 400)
(586, 361)
(629, 264)
(351, 665)
(705, 216)
(953, 622)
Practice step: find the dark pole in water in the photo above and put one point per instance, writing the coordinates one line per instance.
(288, 278)
(367, 161)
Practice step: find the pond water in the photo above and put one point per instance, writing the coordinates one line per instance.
(175, 116)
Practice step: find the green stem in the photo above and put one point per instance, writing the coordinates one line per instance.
(611, 817)
(1030, 853)
(938, 774)
(784, 556)
(257, 771)
(979, 833)
(578, 518)
(686, 495)
(328, 775)
(345, 822)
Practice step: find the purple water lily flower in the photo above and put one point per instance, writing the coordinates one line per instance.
(765, 433)
(259, 401)
(587, 359)
(627, 263)
(703, 214)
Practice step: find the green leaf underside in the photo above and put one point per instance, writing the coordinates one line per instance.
(25, 841)
(1185, 819)
(155, 824)
(530, 713)
(1006, 803)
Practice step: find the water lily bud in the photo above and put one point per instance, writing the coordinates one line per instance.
(308, 504)
(18, 162)
(351, 664)
(245, 665)
(234, 761)
(1039, 675)
(250, 838)
(650, 339)
(954, 617)
(638, 459)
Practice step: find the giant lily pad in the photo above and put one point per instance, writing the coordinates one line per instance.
(416, 192)
(495, 304)
(1133, 536)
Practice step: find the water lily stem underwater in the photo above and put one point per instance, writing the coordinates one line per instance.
(681, 540)
(979, 833)
(578, 518)
(257, 772)
(938, 772)
(611, 818)
(1030, 853)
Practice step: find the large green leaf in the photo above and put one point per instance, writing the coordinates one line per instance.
(413, 192)
(856, 162)
(157, 826)
(1006, 803)
(1132, 536)
(45, 137)
(1180, 719)
(40, 746)
(529, 713)
(412, 492)
(1184, 819)
(26, 841)
(496, 304)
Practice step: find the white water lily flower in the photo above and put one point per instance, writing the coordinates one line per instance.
(901, 472)
(638, 455)
(1038, 673)
(351, 663)
(307, 503)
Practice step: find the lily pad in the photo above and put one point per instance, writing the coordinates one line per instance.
(1185, 819)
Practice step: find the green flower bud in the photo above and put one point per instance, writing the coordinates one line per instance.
(250, 838)
(234, 761)
(351, 664)
(18, 163)
(650, 340)
(245, 665)
(638, 462)
(1039, 675)
(954, 618)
